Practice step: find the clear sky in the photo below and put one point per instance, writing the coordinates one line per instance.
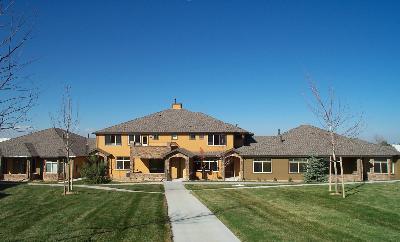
(244, 62)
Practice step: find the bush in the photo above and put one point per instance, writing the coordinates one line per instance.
(317, 170)
(95, 173)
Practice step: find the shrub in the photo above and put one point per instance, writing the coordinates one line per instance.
(317, 170)
(95, 173)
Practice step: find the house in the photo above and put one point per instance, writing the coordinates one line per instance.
(39, 155)
(180, 144)
(171, 144)
(283, 157)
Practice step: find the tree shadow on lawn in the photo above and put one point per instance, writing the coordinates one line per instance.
(354, 190)
(5, 185)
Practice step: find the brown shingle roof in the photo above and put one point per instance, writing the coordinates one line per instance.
(45, 143)
(173, 121)
(307, 140)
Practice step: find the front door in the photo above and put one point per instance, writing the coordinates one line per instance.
(176, 168)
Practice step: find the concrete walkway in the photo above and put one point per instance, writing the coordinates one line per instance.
(92, 187)
(190, 219)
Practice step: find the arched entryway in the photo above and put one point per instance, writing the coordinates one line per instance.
(177, 167)
(232, 166)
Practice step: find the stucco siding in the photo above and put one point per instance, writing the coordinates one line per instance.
(280, 171)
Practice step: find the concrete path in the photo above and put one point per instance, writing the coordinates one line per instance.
(92, 187)
(190, 219)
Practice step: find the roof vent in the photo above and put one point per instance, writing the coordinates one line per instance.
(280, 135)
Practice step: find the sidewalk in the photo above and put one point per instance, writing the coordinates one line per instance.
(190, 219)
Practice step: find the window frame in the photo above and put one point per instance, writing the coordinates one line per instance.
(52, 163)
(115, 140)
(213, 139)
(123, 159)
(209, 165)
(140, 139)
(298, 161)
(380, 166)
(156, 137)
(266, 160)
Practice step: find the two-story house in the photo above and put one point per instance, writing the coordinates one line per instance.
(174, 143)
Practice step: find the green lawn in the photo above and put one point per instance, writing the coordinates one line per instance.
(37, 213)
(371, 212)
(219, 186)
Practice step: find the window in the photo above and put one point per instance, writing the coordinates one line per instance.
(174, 136)
(216, 139)
(134, 138)
(113, 139)
(208, 165)
(156, 136)
(51, 166)
(192, 136)
(201, 136)
(156, 166)
(123, 163)
(262, 166)
(381, 166)
(138, 139)
(297, 165)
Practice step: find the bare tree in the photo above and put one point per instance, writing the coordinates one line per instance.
(17, 94)
(67, 120)
(336, 119)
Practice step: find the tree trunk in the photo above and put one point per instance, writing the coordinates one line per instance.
(341, 170)
(336, 177)
(64, 177)
(72, 173)
(330, 174)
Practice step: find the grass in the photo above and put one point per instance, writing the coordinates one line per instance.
(219, 186)
(41, 213)
(370, 212)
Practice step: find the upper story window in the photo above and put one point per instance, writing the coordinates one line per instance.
(174, 136)
(136, 138)
(201, 136)
(192, 136)
(298, 165)
(216, 139)
(381, 166)
(262, 165)
(156, 136)
(113, 139)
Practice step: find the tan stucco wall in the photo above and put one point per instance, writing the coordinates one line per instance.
(280, 171)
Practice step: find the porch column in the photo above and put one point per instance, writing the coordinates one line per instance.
(187, 169)
(241, 168)
(223, 168)
(28, 168)
(389, 162)
(166, 170)
(359, 169)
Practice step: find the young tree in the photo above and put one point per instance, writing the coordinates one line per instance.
(17, 94)
(335, 119)
(317, 170)
(67, 120)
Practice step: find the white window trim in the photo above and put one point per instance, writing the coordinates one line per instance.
(213, 135)
(262, 166)
(52, 162)
(123, 163)
(298, 166)
(380, 166)
(208, 161)
(115, 142)
(140, 141)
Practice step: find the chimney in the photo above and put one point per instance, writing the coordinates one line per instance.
(176, 105)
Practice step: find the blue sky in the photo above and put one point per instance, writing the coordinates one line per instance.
(244, 62)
